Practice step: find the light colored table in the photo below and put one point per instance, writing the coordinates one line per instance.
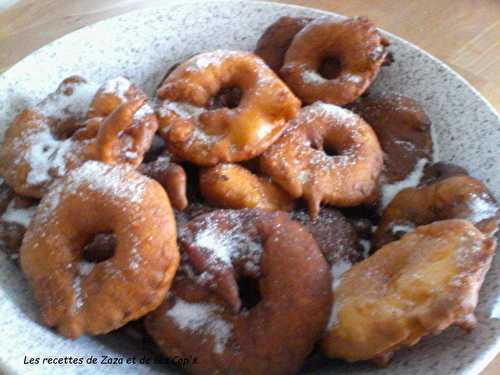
(463, 33)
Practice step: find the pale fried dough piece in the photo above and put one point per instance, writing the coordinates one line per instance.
(410, 288)
(233, 186)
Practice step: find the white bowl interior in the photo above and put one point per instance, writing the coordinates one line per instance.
(142, 45)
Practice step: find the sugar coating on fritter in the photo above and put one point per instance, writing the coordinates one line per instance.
(226, 247)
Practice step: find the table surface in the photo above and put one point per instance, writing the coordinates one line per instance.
(465, 34)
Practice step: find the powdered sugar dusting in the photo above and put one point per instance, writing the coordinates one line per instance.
(117, 86)
(46, 155)
(310, 77)
(77, 289)
(352, 78)
(218, 244)
(342, 115)
(142, 112)
(224, 247)
(85, 268)
(18, 215)
(107, 179)
(366, 245)
(204, 60)
(333, 320)
(408, 146)
(181, 109)
(389, 191)
(304, 176)
(201, 136)
(110, 180)
(338, 269)
(135, 258)
(60, 105)
(202, 318)
(481, 208)
(395, 229)
(222, 241)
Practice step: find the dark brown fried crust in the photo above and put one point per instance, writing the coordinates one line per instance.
(440, 171)
(403, 130)
(171, 176)
(336, 237)
(6, 194)
(11, 232)
(457, 197)
(276, 40)
(264, 338)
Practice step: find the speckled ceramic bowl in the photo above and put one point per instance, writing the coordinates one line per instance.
(143, 45)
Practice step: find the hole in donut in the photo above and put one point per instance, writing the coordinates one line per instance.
(100, 248)
(65, 129)
(330, 68)
(227, 97)
(328, 149)
(155, 150)
(249, 292)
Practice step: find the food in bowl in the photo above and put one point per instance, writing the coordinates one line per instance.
(229, 107)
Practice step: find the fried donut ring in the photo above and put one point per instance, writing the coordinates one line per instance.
(78, 297)
(207, 137)
(419, 285)
(354, 42)
(299, 163)
(459, 197)
(32, 151)
(171, 176)
(272, 337)
(233, 186)
(403, 130)
(46, 141)
(276, 39)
